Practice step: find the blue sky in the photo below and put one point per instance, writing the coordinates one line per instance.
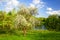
(45, 7)
(55, 4)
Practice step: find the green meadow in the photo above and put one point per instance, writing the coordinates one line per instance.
(32, 35)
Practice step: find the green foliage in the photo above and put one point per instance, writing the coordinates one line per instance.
(21, 20)
(24, 19)
(6, 21)
(53, 23)
(33, 35)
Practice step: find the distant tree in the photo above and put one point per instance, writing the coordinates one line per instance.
(53, 23)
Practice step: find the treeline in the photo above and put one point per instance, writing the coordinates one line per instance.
(52, 22)
(24, 19)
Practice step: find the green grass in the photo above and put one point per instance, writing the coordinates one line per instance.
(32, 35)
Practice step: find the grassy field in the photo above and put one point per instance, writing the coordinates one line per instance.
(32, 35)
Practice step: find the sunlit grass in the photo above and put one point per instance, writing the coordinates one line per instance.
(32, 35)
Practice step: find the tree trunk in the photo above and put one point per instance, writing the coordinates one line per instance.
(24, 31)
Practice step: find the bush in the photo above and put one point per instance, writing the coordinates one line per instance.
(53, 23)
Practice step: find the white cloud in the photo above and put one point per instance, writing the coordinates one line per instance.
(10, 4)
(4, 0)
(54, 12)
(37, 4)
(32, 6)
(49, 9)
(36, 1)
